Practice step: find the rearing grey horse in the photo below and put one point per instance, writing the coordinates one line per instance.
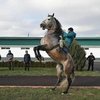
(50, 44)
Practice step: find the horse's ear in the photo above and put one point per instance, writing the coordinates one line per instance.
(53, 15)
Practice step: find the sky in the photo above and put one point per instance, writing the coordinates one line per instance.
(19, 18)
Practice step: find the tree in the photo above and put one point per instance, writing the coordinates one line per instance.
(78, 54)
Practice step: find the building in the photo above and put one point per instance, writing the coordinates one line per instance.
(18, 45)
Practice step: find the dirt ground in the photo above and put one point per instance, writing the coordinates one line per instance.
(46, 81)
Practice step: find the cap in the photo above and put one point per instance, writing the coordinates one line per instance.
(70, 29)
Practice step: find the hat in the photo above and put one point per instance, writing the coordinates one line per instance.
(70, 29)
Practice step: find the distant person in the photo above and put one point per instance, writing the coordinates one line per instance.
(10, 60)
(0, 60)
(0, 57)
(91, 59)
(27, 60)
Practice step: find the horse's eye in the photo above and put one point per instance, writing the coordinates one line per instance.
(48, 19)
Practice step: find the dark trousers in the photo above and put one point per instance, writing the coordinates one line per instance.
(27, 65)
(10, 64)
(90, 65)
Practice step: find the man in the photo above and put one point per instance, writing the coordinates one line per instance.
(0, 57)
(91, 59)
(10, 60)
(68, 39)
(27, 60)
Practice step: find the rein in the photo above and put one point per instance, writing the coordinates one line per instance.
(52, 48)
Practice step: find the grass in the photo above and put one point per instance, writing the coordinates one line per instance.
(87, 73)
(46, 94)
(33, 71)
(42, 71)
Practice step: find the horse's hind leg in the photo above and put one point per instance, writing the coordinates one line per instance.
(68, 70)
(59, 69)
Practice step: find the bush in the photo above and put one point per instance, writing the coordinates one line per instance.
(78, 54)
(33, 64)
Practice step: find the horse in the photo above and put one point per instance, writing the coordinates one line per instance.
(50, 44)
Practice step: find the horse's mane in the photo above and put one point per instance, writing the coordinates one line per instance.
(59, 30)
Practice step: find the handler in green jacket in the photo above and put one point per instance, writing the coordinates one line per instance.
(67, 39)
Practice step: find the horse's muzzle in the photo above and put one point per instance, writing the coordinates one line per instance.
(43, 26)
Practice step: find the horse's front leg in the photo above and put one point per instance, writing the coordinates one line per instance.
(37, 51)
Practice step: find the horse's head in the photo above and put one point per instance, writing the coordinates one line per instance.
(51, 23)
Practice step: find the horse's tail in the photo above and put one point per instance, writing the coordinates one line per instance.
(73, 75)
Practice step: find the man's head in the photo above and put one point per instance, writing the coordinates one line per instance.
(9, 51)
(70, 29)
(26, 52)
(91, 53)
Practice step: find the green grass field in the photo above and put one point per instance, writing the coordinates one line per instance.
(46, 94)
(17, 93)
(42, 71)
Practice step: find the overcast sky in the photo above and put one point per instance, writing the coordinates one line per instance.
(20, 17)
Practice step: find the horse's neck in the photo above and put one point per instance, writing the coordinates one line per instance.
(50, 32)
(50, 38)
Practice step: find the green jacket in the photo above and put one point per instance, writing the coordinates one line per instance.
(68, 37)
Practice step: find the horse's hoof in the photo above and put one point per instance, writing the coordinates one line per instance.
(52, 89)
(37, 57)
(42, 58)
(64, 93)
